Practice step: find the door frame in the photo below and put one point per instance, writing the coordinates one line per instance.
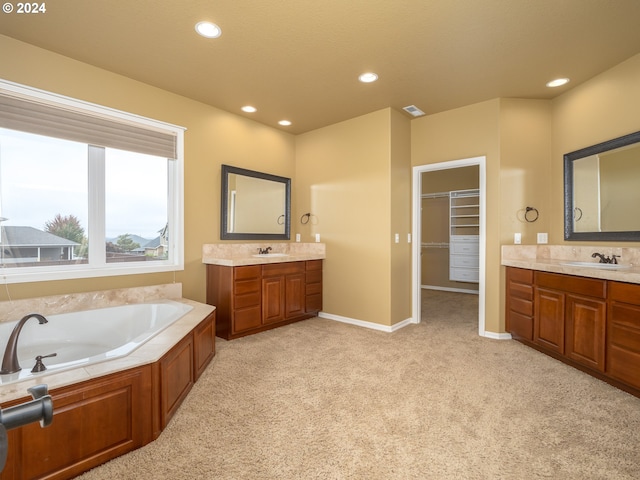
(481, 162)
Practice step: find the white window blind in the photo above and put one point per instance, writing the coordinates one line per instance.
(57, 121)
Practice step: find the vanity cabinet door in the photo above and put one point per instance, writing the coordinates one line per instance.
(548, 331)
(204, 344)
(585, 331)
(273, 299)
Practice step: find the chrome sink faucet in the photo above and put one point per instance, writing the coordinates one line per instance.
(10, 362)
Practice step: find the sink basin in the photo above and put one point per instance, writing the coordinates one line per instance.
(271, 255)
(603, 266)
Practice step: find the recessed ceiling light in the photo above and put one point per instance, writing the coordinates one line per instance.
(284, 123)
(368, 77)
(208, 29)
(558, 82)
(249, 109)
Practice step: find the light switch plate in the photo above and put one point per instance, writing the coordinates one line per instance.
(397, 238)
(517, 238)
(543, 238)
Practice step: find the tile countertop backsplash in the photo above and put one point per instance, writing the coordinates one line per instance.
(550, 258)
(233, 254)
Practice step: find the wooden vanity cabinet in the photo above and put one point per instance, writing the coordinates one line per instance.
(253, 298)
(589, 323)
(623, 333)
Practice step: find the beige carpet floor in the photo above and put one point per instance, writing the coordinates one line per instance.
(324, 400)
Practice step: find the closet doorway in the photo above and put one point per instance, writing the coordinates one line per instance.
(449, 231)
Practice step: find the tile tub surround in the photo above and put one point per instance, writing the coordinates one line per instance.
(149, 352)
(234, 254)
(550, 258)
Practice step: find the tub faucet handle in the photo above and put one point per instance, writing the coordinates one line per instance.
(39, 366)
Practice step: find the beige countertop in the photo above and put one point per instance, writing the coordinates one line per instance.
(149, 352)
(555, 258)
(235, 254)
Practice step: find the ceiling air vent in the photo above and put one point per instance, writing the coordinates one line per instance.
(413, 110)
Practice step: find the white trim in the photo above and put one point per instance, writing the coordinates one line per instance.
(365, 324)
(416, 196)
(175, 205)
(449, 289)
(498, 336)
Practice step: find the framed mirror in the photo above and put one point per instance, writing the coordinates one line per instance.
(602, 191)
(254, 205)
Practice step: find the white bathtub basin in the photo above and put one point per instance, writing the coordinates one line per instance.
(603, 266)
(83, 338)
(271, 255)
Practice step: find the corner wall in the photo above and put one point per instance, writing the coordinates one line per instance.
(468, 132)
(352, 178)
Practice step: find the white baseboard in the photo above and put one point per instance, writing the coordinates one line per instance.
(365, 324)
(497, 336)
(397, 326)
(448, 289)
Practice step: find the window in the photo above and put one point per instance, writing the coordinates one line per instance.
(84, 190)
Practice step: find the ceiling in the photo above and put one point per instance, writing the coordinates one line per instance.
(300, 59)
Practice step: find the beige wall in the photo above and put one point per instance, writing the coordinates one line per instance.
(601, 109)
(344, 174)
(213, 137)
(468, 132)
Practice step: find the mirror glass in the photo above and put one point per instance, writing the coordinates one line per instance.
(602, 191)
(254, 205)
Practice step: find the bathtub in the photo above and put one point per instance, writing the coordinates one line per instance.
(88, 337)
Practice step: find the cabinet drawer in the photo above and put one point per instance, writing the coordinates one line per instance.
(464, 275)
(247, 300)
(314, 276)
(464, 247)
(591, 287)
(246, 271)
(282, 269)
(314, 265)
(467, 261)
(625, 292)
(313, 288)
(520, 305)
(246, 319)
(521, 325)
(242, 287)
(520, 275)
(518, 290)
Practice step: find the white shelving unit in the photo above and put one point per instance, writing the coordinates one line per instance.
(464, 235)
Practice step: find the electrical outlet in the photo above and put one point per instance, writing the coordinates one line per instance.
(543, 238)
(297, 237)
(397, 238)
(317, 237)
(517, 238)
(408, 238)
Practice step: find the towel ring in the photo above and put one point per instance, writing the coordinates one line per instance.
(304, 219)
(577, 211)
(526, 214)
